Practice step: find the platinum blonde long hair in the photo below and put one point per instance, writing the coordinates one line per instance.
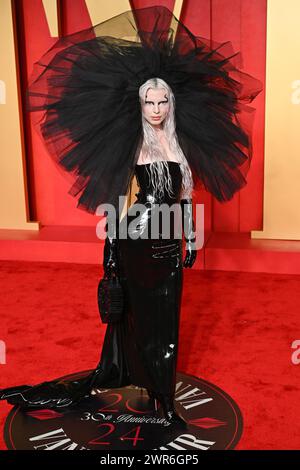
(151, 149)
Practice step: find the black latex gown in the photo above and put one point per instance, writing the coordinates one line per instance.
(142, 348)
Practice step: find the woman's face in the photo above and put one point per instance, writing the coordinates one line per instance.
(156, 106)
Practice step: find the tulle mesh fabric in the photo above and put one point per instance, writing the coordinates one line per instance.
(84, 94)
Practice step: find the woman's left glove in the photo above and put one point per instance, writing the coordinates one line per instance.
(188, 226)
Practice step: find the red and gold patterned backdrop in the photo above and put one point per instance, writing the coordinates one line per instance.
(40, 193)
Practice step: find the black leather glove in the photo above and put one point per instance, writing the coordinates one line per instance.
(188, 227)
(110, 258)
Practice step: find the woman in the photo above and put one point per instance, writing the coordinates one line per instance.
(151, 271)
(96, 128)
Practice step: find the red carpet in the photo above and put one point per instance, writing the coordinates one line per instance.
(236, 331)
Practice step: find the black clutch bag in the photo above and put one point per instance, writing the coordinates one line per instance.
(110, 299)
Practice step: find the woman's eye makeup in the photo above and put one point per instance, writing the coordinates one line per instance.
(151, 102)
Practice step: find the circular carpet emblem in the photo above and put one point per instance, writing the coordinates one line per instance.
(125, 419)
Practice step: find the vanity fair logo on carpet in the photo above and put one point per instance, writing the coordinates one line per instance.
(125, 419)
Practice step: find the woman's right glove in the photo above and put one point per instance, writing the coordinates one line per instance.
(110, 253)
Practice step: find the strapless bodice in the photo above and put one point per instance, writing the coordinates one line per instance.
(146, 190)
(147, 211)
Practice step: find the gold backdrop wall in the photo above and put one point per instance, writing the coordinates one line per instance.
(282, 123)
(13, 190)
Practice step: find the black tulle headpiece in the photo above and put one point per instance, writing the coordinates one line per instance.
(87, 84)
